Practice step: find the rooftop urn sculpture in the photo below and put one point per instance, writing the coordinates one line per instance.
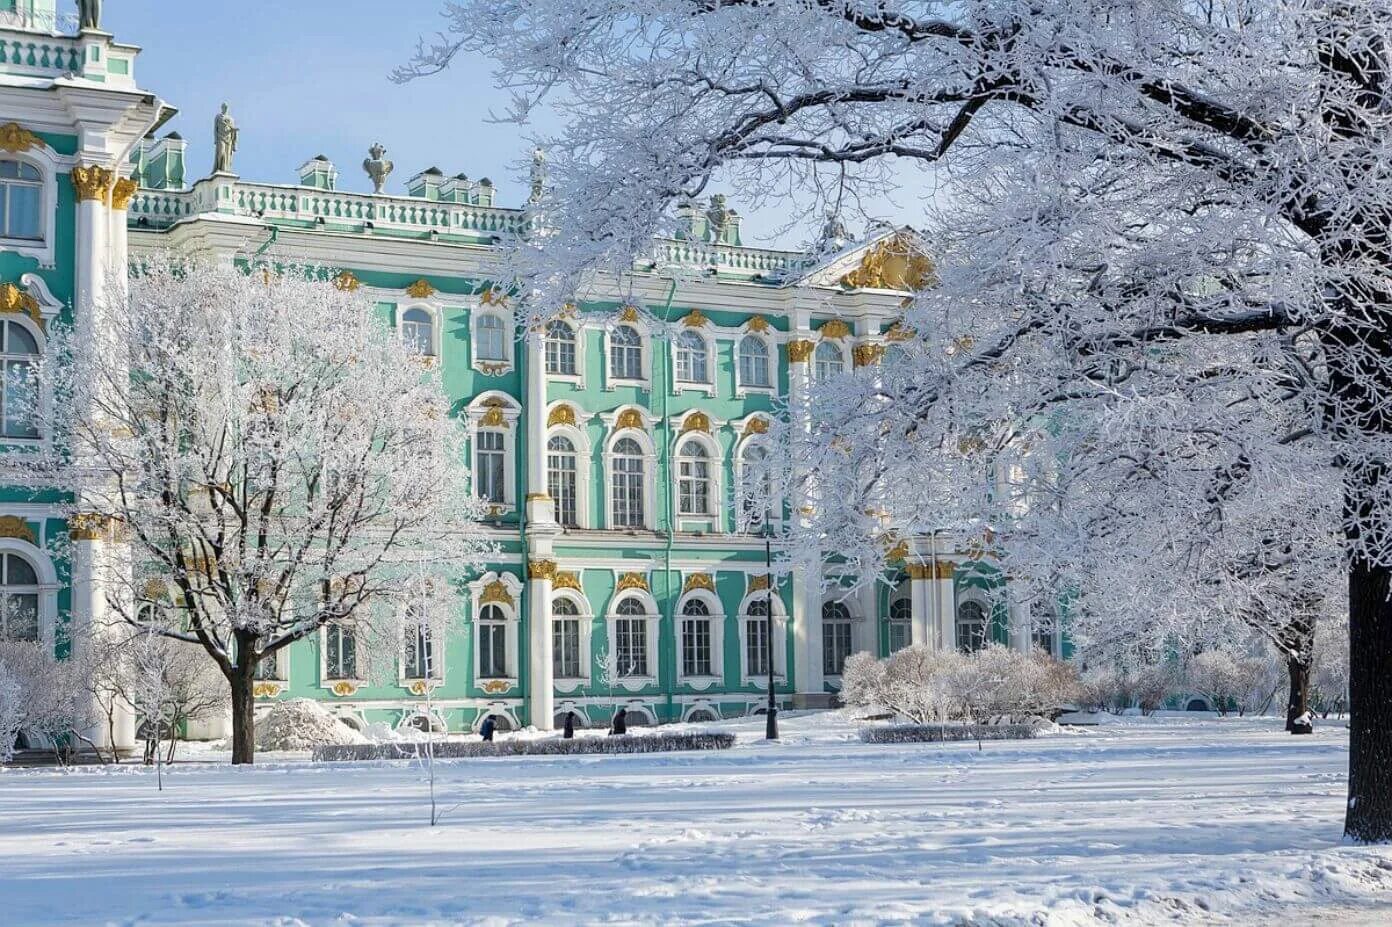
(538, 176)
(835, 235)
(378, 168)
(89, 14)
(718, 214)
(225, 137)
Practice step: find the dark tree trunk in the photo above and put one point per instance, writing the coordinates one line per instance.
(243, 715)
(1369, 816)
(1298, 705)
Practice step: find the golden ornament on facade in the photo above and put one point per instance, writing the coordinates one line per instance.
(630, 418)
(757, 584)
(628, 314)
(495, 593)
(919, 570)
(494, 417)
(343, 689)
(633, 581)
(122, 192)
(15, 300)
(897, 263)
(834, 329)
(496, 686)
(87, 526)
(347, 281)
(696, 421)
(92, 182)
(799, 350)
(867, 355)
(538, 497)
(12, 526)
(563, 414)
(15, 138)
(542, 569)
(696, 319)
(266, 690)
(421, 289)
(566, 579)
(759, 324)
(155, 589)
(491, 296)
(898, 552)
(699, 581)
(419, 687)
(897, 332)
(493, 370)
(756, 426)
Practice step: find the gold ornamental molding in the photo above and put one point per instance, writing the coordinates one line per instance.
(88, 526)
(898, 332)
(492, 297)
(758, 324)
(494, 370)
(496, 593)
(15, 300)
(92, 182)
(544, 570)
(563, 414)
(633, 581)
(699, 581)
(343, 688)
(538, 497)
(628, 314)
(421, 289)
(122, 192)
(155, 589)
(12, 526)
(266, 690)
(757, 584)
(836, 329)
(696, 319)
(420, 687)
(494, 417)
(696, 421)
(566, 579)
(496, 686)
(630, 418)
(756, 426)
(15, 138)
(897, 552)
(944, 570)
(799, 350)
(867, 355)
(897, 263)
(347, 281)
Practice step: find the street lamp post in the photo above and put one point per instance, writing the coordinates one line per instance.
(771, 721)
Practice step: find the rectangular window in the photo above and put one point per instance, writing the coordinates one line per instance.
(696, 647)
(756, 648)
(628, 492)
(565, 648)
(420, 653)
(491, 467)
(492, 650)
(560, 479)
(631, 646)
(560, 357)
(341, 652)
(836, 646)
(900, 636)
(694, 488)
(21, 197)
(269, 668)
(19, 617)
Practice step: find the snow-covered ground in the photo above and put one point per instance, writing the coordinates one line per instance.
(1174, 821)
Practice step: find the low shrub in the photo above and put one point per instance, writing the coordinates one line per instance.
(937, 733)
(552, 746)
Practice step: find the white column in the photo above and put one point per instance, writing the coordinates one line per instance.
(541, 683)
(866, 637)
(945, 595)
(539, 507)
(807, 591)
(924, 629)
(93, 186)
(1018, 619)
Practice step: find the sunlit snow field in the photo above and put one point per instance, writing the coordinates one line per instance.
(1174, 821)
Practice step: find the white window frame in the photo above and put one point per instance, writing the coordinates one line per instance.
(717, 639)
(27, 325)
(578, 332)
(742, 482)
(903, 592)
(644, 379)
(47, 588)
(584, 455)
(484, 365)
(849, 621)
(716, 459)
(511, 621)
(780, 638)
(652, 617)
(839, 348)
(743, 388)
(511, 411)
(712, 362)
(585, 618)
(327, 682)
(645, 442)
(971, 597)
(49, 165)
(430, 310)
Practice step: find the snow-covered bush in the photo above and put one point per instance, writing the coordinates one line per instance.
(551, 746)
(43, 694)
(934, 733)
(303, 724)
(1234, 683)
(1329, 682)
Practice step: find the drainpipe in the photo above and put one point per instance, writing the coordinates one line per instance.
(665, 462)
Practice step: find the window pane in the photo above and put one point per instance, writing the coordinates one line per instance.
(19, 341)
(19, 617)
(24, 211)
(836, 646)
(491, 346)
(696, 646)
(631, 645)
(19, 572)
(561, 480)
(492, 650)
(565, 645)
(756, 647)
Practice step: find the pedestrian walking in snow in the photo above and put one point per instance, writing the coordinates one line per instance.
(620, 723)
(489, 726)
(568, 732)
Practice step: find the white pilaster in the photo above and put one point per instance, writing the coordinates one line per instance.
(866, 636)
(540, 508)
(924, 628)
(541, 681)
(1018, 619)
(945, 595)
(807, 591)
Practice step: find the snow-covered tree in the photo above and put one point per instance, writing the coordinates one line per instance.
(273, 458)
(46, 696)
(1119, 182)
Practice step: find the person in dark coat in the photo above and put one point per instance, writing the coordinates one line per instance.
(489, 726)
(568, 732)
(620, 724)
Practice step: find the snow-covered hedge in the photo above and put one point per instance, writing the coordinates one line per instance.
(303, 724)
(553, 746)
(935, 733)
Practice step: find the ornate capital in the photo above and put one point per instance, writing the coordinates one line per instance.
(867, 355)
(799, 350)
(122, 191)
(13, 299)
(897, 332)
(92, 182)
(87, 526)
(12, 526)
(699, 581)
(15, 138)
(544, 570)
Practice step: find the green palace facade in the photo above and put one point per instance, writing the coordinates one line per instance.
(609, 447)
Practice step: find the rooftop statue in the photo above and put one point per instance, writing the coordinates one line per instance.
(538, 176)
(378, 168)
(89, 14)
(225, 136)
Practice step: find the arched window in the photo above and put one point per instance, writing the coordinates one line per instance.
(900, 619)
(565, 639)
(21, 199)
(756, 487)
(971, 627)
(830, 361)
(492, 338)
(492, 643)
(560, 349)
(19, 352)
(418, 331)
(628, 487)
(754, 362)
(836, 637)
(693, 480)
(693, 363)
(696, 639)
(631, 638)
(756, 638)
(340, 651)
(561, 479)
(626, 353)
(490, 466)
(19, 600)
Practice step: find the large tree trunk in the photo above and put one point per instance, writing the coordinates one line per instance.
(1298, 705)
(1369, 816)
(243, 715)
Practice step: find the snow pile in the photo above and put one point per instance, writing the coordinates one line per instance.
(302, 724)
